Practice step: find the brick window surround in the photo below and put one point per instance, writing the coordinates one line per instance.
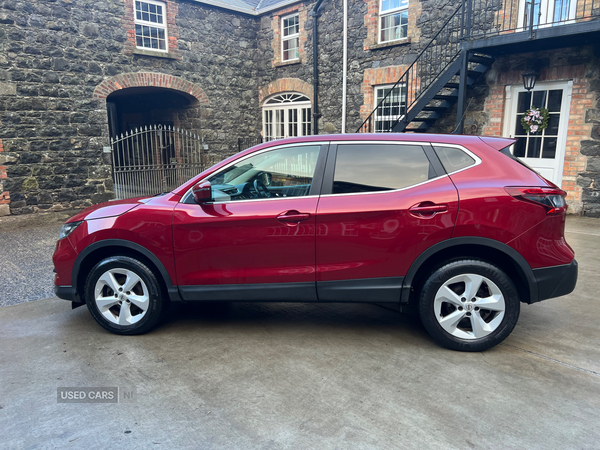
(377, 77)
(302, 11)
(130, 47)
(581, 99)
(372, 25)
(284, 85)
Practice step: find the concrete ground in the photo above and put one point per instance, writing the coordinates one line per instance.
(302, 376)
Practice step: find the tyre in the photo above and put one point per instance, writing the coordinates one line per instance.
(124, 295)
(469, 305)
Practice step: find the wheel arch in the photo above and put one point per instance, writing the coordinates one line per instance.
(495, 252)
(97, 251)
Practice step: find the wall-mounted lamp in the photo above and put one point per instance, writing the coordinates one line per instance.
(529, 79)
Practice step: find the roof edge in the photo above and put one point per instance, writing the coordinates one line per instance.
(249, 11)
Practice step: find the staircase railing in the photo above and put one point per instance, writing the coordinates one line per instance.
(473, 19)
(441, 51)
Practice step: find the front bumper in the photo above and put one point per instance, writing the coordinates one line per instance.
(556, 281)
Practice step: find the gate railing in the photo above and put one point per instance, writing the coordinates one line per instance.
(155, 159)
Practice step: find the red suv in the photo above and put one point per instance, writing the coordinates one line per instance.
(452, 226)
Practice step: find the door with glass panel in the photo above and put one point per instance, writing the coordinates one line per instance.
(286, 115)
(546, 13)
(544, 150)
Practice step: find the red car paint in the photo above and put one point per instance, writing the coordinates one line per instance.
(335, 237)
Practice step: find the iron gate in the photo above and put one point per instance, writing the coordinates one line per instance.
(155, 159)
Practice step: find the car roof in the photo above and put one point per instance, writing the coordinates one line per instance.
(458, 139)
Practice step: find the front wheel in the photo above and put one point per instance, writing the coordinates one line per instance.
(469, 305)
(124, 295)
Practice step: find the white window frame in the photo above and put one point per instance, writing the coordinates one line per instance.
(162, 26)
(376, 102)
(290, 37)
(276, 115)
(387, 13)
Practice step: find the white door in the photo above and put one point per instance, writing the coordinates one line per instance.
(543, 151)
(546, 13)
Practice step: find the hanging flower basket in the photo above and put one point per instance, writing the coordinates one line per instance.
(535, 119)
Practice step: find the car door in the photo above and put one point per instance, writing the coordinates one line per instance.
(256, 239)
(382, 204)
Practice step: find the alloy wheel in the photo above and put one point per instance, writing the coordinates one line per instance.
(121, 296)
(469, 306)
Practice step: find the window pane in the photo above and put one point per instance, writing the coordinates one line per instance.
(533, 151)
(549, 150)
(552, 125)
(519, 147)
(524, 102)
(387, 5)
(539, 99)
(453, 159)
(394, 26)
(519, 130)
(377, 167)
(554, 100)
(285, 172)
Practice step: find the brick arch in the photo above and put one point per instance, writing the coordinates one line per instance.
(285, 85)
(143, 79)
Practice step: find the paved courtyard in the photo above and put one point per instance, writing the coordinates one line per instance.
(294, 376)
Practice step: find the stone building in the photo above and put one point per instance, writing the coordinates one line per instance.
(87, 86)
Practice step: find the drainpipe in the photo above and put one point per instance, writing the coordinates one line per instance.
(345, 66)
(316, 115)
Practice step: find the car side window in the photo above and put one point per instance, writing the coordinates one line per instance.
(379, 167)
(283, 172)
(453, 158)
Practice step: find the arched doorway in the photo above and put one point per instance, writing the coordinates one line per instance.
(156, 132)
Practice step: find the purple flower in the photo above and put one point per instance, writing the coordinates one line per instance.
(534, 128)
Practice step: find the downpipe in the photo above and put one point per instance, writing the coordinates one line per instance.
(316, 114)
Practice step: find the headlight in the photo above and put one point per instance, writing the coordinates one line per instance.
(68, 228)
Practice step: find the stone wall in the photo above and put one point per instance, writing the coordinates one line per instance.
(55, 53)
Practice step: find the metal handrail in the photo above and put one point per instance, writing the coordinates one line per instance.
(405, 78)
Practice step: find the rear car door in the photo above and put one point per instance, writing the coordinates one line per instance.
(382, 204)
(256, 240)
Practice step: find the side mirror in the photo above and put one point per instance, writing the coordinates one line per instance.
(202, 192)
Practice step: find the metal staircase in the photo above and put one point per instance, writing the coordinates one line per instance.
(432, 84)
(461, 52)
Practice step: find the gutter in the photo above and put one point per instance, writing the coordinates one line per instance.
(249, 11)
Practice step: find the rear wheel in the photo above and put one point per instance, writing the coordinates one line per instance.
(469, 305)
(124, 295)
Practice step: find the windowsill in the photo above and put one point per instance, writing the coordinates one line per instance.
(155, 54)
(288, 63)
(390, 44)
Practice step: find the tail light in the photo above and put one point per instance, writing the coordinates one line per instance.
(551, 198)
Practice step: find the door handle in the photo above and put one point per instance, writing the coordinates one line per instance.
(423, 209)
(293, 217)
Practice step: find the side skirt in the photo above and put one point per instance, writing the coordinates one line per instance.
(372, 290)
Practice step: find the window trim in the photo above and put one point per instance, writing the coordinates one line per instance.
(390, 12)
(290, 37)
(403, 90)
(162, 26)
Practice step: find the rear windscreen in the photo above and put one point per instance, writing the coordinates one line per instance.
(506, 151)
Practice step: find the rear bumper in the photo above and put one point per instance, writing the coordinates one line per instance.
(66, 293)
(556, 281)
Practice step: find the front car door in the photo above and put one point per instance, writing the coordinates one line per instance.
(256, 240)
(383, 204)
